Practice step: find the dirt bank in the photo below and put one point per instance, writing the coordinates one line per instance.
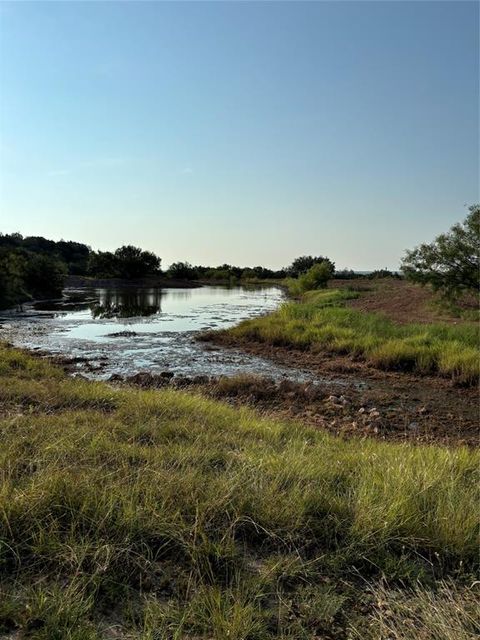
(409, 407)
(385, 406)
(400, 300)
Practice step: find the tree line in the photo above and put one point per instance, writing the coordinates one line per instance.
(34, 267)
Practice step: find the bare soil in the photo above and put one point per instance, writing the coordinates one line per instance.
(380, 404)
(399, 300)
(349, 399)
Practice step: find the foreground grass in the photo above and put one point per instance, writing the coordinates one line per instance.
(320, 321)
(151, 515)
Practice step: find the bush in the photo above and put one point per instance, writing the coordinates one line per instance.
(127, 262)
(451, 263)
(45, 276)
(24, 276)
(304, 263)
(316, 277)
(182, 271)
(382, 273)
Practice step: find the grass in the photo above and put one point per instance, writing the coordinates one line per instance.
(160, 514)
(321, 321)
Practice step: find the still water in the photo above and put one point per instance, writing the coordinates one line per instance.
(129, 330)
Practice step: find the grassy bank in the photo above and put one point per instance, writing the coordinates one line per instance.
(158, 514)
(321, 321)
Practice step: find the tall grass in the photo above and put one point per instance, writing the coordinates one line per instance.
(320, 321)
(448, 613)
(168, 515)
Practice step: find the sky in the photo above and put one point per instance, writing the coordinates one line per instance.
(240, 132)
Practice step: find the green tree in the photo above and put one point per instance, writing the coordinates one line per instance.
(316, 277)
(12, 284)
(135, 263)
(182, 271)
(451, 263)
(304, 263)
(102, 264)
(127, 262)
(44, 276)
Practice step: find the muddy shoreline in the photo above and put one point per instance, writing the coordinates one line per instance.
(423, 409)
(385, 406)
(337, 393)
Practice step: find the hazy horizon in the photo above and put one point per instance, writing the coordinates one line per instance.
(247, 133)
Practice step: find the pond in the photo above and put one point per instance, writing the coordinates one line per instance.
(127, 330)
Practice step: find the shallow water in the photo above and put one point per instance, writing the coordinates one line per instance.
(123, 331)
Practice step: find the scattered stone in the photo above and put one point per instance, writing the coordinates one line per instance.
(142, 379)
(122, 334)
(180, 382)
(285, 385)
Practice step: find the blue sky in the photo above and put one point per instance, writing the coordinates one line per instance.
(248, 133)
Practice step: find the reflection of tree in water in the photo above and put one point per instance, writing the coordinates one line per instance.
(116, 303)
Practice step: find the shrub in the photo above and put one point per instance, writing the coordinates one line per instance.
(451, 264)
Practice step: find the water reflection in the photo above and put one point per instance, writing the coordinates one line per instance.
(119, 303)
(126, 330)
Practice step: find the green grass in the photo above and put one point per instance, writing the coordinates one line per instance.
(320, 321)
(166, 515)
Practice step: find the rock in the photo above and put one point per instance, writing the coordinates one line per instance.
(361, 410)
(166, 374)
(200, 380)
(142, 379)
(413, 426)
(311, 391)
(180, 382)
(115, 377)
(285, 385)
(122, 334)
